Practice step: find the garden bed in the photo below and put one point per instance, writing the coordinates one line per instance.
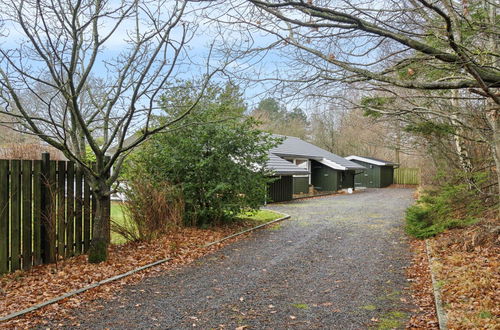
(467, 271)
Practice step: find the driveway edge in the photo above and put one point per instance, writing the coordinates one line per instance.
(441, 314)
(130, 272)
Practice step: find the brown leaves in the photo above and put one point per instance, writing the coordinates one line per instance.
(21, 290)
(421, 289)
(469, 269)
(469, 274)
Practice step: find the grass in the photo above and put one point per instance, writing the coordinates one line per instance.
(258, 217)
(117, 216)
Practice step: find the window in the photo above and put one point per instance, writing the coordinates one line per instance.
(299, 162)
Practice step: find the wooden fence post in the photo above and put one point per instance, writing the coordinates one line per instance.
(4, 216)
(47, 232)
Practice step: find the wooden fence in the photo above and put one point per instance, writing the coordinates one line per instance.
(46, 212)
(407, 176)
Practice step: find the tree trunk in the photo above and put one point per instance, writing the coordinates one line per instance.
(98, 251)
(460, 146)
(493, 117)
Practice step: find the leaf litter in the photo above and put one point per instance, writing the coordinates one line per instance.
(23, 289)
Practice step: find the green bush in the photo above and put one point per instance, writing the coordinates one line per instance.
(216, 159)
(450, 206)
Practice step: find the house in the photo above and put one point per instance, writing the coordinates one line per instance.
(378, 174)
(324, 171)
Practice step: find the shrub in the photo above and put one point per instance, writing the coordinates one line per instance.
(28, 151)
(218, 160)
(450, 206)
(149, 211)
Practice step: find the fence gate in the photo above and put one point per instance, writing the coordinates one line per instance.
(46, 212)
(407, 175)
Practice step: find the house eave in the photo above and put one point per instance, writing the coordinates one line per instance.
(370, 161)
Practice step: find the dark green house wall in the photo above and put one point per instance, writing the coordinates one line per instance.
(374, 176)
(324, 178)
(300, 185)
(346, 179)
(386, 176)
(280, 189)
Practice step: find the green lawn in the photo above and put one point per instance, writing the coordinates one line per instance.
(117, 216)
(261, 216)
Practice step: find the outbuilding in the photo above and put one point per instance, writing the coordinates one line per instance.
(281, 188)
(378, 173)
(325, 171)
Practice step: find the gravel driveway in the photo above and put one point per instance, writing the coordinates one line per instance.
(338, 263)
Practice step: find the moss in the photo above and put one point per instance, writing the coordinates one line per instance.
(485, 315)
(301, 306)
(98, 251)
(369, 307)
(391, 320)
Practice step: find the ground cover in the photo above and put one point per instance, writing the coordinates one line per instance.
(21, 290)
(467, 269)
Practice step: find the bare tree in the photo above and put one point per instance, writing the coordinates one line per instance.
(88, 73)
(422, 45)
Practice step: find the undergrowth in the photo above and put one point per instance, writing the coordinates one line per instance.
(445, 207)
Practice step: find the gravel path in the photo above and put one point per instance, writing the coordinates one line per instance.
(336, 264)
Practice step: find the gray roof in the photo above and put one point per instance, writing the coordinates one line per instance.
(283, 167)
(295, 147)
(371, 160)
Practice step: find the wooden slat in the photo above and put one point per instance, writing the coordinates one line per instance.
(47, 187)
(86, 216)
(51, 220)
(61, 201)
(15, 215)
(78, 212)
(27, 213)
(37, 213)
(70, 205)
(407, 176)
(4, 216)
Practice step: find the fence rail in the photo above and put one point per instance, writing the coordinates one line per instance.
(407, 176)
(46, 212)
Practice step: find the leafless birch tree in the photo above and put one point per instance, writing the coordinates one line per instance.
(438, 45)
